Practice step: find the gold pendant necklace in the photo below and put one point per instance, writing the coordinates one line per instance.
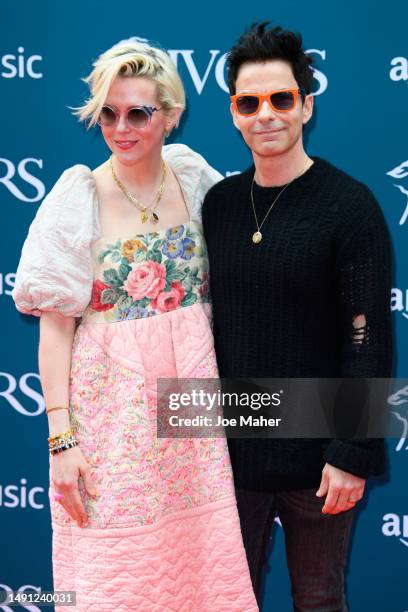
(257, 236)
(146, 212)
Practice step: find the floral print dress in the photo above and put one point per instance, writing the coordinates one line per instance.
(149, 274)
(163, 533)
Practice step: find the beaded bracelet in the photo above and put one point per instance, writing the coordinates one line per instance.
(64, 446)
(59, 443)
(62, 441)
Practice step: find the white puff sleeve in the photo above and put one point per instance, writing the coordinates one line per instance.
(194, 173)
(55, 272)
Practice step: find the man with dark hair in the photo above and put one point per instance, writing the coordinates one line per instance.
(300, 281)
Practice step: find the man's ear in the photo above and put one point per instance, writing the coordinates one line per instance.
(234, 116)
(308, 108)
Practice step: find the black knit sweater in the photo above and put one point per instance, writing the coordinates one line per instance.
(285, 307)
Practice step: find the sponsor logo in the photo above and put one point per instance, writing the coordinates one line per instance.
(396, 400)
(319, 76)
(23, 386)
(8, 591)
(400, 172)
(7, 282)
(399, 301)
(20, 496)
(19, 65)
(215, 65)
(9, 172)
(399, 70)
(396, 526)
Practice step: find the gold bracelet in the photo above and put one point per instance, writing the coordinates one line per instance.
(62, 436)
(48, 410)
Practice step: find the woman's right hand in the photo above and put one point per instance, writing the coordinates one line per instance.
(66, 469)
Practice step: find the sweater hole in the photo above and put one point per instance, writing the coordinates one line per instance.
(360, 329)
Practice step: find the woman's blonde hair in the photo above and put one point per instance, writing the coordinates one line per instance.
(132, 58)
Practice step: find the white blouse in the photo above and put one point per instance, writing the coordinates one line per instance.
(55, 272)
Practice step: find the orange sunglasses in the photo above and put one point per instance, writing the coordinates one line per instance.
(281, 100)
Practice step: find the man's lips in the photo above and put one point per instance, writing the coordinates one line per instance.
(274, 131)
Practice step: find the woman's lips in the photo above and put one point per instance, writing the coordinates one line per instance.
(125, 144)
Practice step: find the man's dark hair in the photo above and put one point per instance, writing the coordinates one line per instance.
(260, 44)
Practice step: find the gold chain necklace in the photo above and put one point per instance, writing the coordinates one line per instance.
(145, 211)
(257, 236)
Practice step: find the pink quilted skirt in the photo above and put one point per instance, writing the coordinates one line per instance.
(164, 533)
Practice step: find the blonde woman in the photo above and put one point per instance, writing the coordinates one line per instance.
(139, 523)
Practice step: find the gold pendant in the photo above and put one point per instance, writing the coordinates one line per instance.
(144, 216)
(154, 218)
(256, 237)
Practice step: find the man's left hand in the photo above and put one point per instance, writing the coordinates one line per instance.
(343, 490)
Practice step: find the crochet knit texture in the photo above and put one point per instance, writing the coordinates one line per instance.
(311, 300)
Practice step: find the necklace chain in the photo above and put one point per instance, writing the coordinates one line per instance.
(145, 210)
(257, 236)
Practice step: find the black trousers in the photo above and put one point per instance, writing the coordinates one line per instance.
(316, 545)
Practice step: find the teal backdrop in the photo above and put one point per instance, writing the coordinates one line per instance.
(360, 124)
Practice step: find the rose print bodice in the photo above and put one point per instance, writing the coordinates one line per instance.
(148, 274)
